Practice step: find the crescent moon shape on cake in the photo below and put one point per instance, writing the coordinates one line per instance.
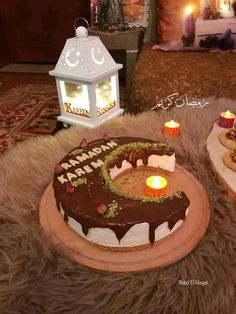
(98, 164)
(72, 64)
(98, 62)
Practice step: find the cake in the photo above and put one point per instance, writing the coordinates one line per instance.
(228, 138)
(229, 159)
(103, 214)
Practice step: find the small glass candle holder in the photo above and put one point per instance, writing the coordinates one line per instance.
(171, 128)
(156, 186)
(226, 120)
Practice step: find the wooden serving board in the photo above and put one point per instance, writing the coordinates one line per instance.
(216, 152)
(164, 252)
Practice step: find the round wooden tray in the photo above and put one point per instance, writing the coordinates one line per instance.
(162, 253)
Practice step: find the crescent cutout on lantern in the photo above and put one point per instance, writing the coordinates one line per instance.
(98, 62)
(69, 63)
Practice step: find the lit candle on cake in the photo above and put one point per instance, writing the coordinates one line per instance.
(188, 21)
(226, 120)
(171, 128)
(156, 186)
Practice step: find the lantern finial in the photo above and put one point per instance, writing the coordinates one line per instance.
(81, 31)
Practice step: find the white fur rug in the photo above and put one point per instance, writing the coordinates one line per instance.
(34, 278)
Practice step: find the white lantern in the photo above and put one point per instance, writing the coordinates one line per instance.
(87, 81)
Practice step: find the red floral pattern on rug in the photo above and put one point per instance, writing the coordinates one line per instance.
(27, 112)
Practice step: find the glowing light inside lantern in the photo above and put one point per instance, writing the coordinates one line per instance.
(75, 99)
(156, 186)
(106, 95)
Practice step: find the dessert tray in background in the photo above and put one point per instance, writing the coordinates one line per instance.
(217, 152)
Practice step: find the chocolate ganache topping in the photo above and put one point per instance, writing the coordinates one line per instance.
(82, 184)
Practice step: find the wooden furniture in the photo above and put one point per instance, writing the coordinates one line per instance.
(130, 41)
(164, 252)
(36, 31)
(216, 152)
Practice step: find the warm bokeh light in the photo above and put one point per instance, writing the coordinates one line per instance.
(188, 9)
(226, 120)
(156, 182)
(228, 114)
(172, 124)
(224, 7)
(171, 128)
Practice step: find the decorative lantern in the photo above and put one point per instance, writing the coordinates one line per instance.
(225, 8)
(87, 81)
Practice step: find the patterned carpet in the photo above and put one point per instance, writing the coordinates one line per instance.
(26, 112)
(195, 75)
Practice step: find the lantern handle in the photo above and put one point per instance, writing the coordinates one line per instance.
(80, 18)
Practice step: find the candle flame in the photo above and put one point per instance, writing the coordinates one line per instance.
(156, 182)
(172, 124)
(188, 10)
(228, 114)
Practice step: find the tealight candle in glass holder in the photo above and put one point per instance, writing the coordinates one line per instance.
(226, 120)
(171, 128)
(156, 186)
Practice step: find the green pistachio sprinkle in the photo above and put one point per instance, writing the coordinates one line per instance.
(126, 148)
(112, 210)
(79, 182)
(77, 151)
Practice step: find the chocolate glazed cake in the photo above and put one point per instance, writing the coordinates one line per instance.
(95, 207)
